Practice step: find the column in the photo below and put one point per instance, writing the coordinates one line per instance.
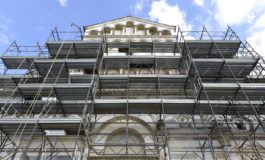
(147, 31)
(123, 30)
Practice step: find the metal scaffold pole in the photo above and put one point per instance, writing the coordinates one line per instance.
(127, 90)
(197, 97)
(86, 118)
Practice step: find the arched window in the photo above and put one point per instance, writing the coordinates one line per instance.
(129, 24)
(153, 31)
(107, 30)
(118, 29)
(141, 29)
(129, 28)
(93, 33)
(119, 136)
(165, 32)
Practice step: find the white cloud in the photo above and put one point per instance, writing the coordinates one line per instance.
(165, 13)
(257, 35)
(236, 11)
(62, 2)
(138, 7)
(248, 14)
(260, 23)
(5, 35)
(4, 38)
(258, 42)
(198, 2)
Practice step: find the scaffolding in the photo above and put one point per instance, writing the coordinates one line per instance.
(216, 95)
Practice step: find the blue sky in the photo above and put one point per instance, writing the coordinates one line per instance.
(27, 21)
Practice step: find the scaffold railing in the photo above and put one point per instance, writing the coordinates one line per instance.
(59, 35)
(198, 87)
(208, 126)
(228, 35)
(25, 121)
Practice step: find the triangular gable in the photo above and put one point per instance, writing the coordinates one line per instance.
(127, 19)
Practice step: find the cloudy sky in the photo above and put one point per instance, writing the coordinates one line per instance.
(27, 21)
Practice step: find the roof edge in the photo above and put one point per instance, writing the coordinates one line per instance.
(85, 27)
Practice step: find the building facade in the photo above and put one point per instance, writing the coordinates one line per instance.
(131, 88)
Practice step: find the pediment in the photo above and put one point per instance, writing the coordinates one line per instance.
(136, 21)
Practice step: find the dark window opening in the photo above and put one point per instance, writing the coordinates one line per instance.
(141, 65)
(30, 98)
(124, 50)
(88, 71)
(240, 125)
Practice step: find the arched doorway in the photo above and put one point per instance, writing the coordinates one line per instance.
(111, 140)
(119, 137)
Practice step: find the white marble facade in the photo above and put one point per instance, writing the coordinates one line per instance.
(131, 29)
(183, 139)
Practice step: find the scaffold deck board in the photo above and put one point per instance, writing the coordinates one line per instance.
(206, 49)
(218, 68)
(19, 62)
(121, 62)
(62, 65)
(87, 49)
(79, 49)
(62, 91)
(136, 106)
(25, 126)
(142, 81)
(10, 81)
(255, 91)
